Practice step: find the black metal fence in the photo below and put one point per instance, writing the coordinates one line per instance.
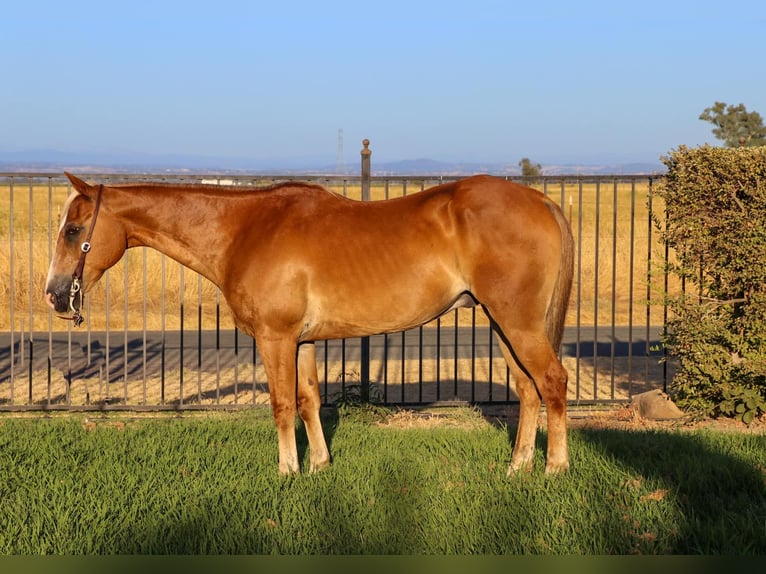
(158, 336)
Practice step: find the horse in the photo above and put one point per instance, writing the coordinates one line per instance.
(298, 263)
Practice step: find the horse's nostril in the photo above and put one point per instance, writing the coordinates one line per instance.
(55, 301)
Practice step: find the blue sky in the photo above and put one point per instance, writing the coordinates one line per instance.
(480, 81)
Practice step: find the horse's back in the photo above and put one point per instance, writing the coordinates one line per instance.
(458, 219)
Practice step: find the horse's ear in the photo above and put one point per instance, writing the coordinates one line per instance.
(80, 185)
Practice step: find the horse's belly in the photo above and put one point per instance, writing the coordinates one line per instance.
(382, 316)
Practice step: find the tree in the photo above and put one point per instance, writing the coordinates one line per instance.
(734, 125)
(529, 169)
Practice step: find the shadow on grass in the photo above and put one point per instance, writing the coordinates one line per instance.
(296, 514)
(330, 418)
(713, 486)
(720, 496)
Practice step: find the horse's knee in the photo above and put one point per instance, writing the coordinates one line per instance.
(307, 409)
(283, 412)
(309, 401)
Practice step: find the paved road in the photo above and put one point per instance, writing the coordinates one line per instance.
(83, 354)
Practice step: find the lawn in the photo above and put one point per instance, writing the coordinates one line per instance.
(208, 484)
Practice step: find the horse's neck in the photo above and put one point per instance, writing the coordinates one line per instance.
(187, 226)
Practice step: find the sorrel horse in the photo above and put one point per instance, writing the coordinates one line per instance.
(298, 263)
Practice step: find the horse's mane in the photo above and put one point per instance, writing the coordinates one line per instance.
(239, 189)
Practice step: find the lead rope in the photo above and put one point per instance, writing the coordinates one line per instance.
(75, 290)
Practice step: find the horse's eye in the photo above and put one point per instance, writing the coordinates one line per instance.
(73, 230)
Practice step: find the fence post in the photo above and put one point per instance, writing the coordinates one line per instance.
(366, 153)
(364, 367)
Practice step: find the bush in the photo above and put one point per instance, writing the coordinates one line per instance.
(715, 200)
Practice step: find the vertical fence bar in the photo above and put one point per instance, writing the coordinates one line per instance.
(386, 341)
(364, 366)
(108, 347)
(125, 339)
(89, 333)
(438, 358)
(420, 340)
(596, 246)
(455, 357)
(199, 338)
(563, 194)
(236, 365)
(255, 370)
(665, 306)
(473, 354)
(647, 344)
(69, 374)
(404, 363)
(385, 367)
(143, 337)
(31, 288)
(613, 348)
(89, 354)
(630, 283)
(343, 367)
(162, 329)
(182, 296)
(326, 369)
(490, 377)
(578, 353)
(49, 252)
(12, 286)
(218, 347)
(420, 364)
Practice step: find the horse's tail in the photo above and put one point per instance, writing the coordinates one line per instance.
(557, 307)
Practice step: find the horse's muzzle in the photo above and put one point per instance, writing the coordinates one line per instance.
(59, 302)
(57, 295)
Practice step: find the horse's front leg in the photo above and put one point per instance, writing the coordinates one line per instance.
(309, 404)
(279, 359)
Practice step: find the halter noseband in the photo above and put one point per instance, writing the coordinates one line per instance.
(75, 290)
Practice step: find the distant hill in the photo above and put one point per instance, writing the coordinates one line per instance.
(433, 167)
(54, 161)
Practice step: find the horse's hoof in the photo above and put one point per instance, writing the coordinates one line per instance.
(319, 467)
(288, 470)
(517, 468)
(552, 468)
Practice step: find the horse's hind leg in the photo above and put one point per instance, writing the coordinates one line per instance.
(529, 411)
(534, 354)
(309, 404)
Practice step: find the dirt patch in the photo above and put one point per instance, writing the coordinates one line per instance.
(618, 417)
(626, 417)
(455, 417)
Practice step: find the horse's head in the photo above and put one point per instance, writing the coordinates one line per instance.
(90, 240)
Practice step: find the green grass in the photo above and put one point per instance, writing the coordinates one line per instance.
(209, 485)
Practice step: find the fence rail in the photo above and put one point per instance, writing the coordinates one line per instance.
(158, 336)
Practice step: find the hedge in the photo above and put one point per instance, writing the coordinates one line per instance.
(715, 201)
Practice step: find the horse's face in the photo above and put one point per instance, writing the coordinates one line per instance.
(107, 245)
